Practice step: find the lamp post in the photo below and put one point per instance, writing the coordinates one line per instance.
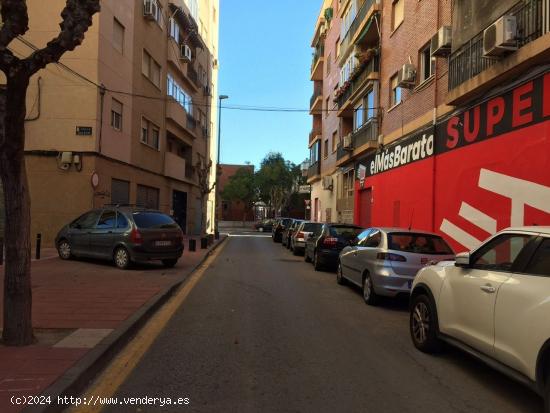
(218, 209)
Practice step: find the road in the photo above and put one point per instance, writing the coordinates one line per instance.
(263, 332)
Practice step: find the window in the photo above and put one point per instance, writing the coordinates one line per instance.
(120, 192)
(373, 240)
(116, 115)
(540, 263)
(347, 20)
(397, 13)
(193, 6)
(86, 221)
(418, 243)
(395, 91)
(177, 92)
(174, 30)
(150, 219)
(348, 184)
(358, 117)
(107, 220)
(150, 68)
(426, 63)
(334, 141)
(121, 221)
(337, 47)
(329, 60)
(347, 69)
(118, 36)
(147, 197)
(326, 149)
(327, 104)
(500, 253)
(314, 152)
(150, 133)
(369, 101)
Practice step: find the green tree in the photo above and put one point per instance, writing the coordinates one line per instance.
(242, 187)
(76, 19)
(276, 181)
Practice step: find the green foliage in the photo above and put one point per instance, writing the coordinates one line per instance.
(241, 187)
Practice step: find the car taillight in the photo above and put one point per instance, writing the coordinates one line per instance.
(136, 237)
(330, 241)
(300, 235)
(388, 256)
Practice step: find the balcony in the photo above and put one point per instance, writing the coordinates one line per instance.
(177, 114)
(174, 166)
(314, 172)
(313, 134)
(467, 61)
(317, 64)
(367, 73)
(316, 102)
(361, 23)
(191, 122)
(193, 76)
(363, 139)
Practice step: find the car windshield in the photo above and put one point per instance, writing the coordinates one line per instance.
(418, 243)
(311, 227)
(153, 220)
(345, 232)
(286, 221)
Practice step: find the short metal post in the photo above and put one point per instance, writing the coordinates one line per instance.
(38, 244)
(204, 243)
(192, 245)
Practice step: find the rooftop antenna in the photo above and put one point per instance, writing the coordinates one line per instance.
(411, 222)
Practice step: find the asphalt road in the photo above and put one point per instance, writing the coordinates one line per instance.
(264, 332)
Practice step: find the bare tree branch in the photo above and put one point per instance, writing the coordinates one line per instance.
(15, 20)
(77, 18)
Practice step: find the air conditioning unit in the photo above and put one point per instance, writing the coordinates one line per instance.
(348, 142)
(185, 53)
(328, 183)
(150, 9)
(442, 41)
(65, 160)
(500, 37)
(406, 77)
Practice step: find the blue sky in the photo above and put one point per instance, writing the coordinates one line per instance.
(265, 59)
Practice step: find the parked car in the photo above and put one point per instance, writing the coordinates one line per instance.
(385, 261)
(288, 231)
(300, 235)
(123, 235)
(264, 226)
(493, 303)
(324, 247)
(278, 227)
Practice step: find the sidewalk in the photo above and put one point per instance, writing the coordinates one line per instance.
(83, 311)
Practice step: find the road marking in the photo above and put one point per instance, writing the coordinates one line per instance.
(108, 382)
(249, 236)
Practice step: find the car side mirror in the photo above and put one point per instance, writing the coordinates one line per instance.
(463, 260)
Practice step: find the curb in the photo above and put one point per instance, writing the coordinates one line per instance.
(75, 380)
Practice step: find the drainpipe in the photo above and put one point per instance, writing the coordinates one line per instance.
(102, 90)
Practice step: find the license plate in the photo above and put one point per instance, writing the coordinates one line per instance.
(163, 243)
(409, 284)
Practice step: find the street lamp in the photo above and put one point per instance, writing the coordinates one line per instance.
(218, 209)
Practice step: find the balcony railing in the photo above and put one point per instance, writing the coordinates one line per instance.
(468, 61)
(319, 52)
(314, 133)
(193, 75)
(341, 152)
(346, 41)
(371, 67)
(367, 133)
(314, 170)
(318, 92)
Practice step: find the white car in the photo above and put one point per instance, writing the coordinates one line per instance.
(494, 303)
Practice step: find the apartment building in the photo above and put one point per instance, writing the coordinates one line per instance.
(323, 139)
(444, 115)
(126, 118)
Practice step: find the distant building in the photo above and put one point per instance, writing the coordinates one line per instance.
(144, 139)
(233, 210)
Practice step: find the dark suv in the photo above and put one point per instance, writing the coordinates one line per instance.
(122, 234)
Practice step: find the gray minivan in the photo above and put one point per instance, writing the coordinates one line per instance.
(123, 235)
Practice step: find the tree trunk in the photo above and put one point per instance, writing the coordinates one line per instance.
(17, 329)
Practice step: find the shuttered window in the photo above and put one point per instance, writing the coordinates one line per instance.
(147, 197)
(120, 192)
(118, 36)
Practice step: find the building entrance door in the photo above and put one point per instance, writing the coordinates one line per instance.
(365, 211)
(179, 206)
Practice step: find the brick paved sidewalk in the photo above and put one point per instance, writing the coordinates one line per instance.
(76, 304)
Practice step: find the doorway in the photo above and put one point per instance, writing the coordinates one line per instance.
(365, 208)
(179, 206)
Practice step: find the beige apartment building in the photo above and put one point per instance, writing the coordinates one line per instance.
(127, 117)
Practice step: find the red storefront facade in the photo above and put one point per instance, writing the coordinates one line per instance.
(475, 172)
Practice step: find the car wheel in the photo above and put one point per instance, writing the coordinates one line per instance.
(339, 276)
(423, 325)
(169, 263)
(316, 264)
(64, 250)
(122, 258)
(295, 251)
(370, 297)
(260, 229)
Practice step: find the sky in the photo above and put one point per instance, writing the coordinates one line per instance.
(265, 58)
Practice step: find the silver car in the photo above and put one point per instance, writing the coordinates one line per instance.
(384, 261)
(299, 237)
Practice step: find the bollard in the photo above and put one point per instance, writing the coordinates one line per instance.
(217, 235)
(1, 251)
(192, 245)
(38, 244)
(204, 243)
(210, 239)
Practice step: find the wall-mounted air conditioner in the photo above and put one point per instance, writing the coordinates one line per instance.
(442, 41)
(150, 9)
(185, 53)
(328, 183)
(347, 143)
(500, 37)
(406, 77)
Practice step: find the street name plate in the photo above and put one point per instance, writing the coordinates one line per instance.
(84, 130)
(304, 189)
